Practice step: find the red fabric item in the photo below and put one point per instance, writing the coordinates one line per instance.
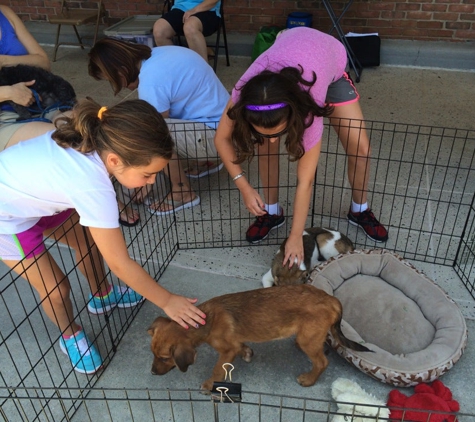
(432, 397)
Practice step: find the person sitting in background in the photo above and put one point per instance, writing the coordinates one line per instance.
(195, 19)
(17, 46)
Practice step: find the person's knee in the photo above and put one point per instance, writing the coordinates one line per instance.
(193, 28)
(363, 148)
(59, 295)
(162, 31)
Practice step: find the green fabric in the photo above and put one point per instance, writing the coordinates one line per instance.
(264, 39)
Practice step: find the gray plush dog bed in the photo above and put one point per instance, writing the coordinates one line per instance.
(416, 331)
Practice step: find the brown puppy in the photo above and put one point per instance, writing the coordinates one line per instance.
(253, 316)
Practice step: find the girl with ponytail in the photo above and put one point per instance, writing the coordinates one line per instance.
(283, 98)
(56, 181)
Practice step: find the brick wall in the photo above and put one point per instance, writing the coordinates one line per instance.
(432, 20)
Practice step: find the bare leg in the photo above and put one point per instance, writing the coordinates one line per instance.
(163, 33)
(181, 189)
(127, 213)
(88, 258)
(193, 30)
(269, 170)
(53, 288)
(347, 120)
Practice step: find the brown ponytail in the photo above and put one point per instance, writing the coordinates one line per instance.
(132, 129)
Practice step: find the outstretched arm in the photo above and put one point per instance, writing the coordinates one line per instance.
(306, 168)
(226, 152)
(112, 246)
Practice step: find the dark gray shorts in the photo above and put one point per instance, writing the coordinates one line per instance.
(209, 20)
(342, 92)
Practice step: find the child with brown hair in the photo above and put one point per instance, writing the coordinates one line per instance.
(72, 166)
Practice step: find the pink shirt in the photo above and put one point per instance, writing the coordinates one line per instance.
(314, 51)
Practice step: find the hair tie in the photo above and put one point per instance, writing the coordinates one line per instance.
(266, 107)
(101, 112)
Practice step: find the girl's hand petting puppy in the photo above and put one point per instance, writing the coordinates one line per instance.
(293, 251)
(181, 310)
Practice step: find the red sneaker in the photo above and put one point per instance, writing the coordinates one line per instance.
(260, 229)
(372, 227)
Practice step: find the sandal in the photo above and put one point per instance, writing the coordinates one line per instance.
(204, 169)
(126, 220)
(179, 205)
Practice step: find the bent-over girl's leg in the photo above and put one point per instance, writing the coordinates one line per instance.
(53, 289)
(103, 296)
(88, 258)
(268, 157)
(347, 120)
(268, 154)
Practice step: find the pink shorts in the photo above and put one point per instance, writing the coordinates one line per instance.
(28, 244)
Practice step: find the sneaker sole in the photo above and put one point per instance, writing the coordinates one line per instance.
(265, 237)
(96, 311)
(81, 371)
(364, 231)
(101, 311)
(130, 304)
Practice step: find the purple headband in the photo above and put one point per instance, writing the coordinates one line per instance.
(266, 107)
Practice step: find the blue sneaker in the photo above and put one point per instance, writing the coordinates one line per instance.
(82, 354)
(123, 297)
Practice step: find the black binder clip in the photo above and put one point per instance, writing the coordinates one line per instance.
(226, 391)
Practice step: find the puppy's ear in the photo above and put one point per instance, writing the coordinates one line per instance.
(184, 356)
(155, 324)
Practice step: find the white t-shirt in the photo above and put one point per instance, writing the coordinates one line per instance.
(177, 79)
(38, 178)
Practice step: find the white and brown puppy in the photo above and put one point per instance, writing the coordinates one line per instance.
(319, 245)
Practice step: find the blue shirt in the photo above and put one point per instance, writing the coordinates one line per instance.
(189, 4)
(10, 45)
(177, 79)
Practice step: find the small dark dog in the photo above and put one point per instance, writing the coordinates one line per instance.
(52, 89)
(253, 316)
(319, 245)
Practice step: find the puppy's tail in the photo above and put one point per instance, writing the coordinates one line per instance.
(346, 342)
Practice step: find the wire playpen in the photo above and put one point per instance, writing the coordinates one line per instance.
(421, 188)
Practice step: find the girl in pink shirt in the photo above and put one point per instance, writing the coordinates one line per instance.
(287, 91)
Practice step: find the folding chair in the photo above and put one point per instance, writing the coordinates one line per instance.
(354, 63)
(76, 17)
(217, 45)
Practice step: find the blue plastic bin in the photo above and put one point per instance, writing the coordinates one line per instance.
(299, 19)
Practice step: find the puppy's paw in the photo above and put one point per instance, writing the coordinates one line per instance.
(247, 354)
(207, 386)
(268, 279)
(307, 379)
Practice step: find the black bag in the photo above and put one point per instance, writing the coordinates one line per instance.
(366, 49)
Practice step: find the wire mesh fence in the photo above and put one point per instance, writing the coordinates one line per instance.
(90, 405)
(420, 187)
